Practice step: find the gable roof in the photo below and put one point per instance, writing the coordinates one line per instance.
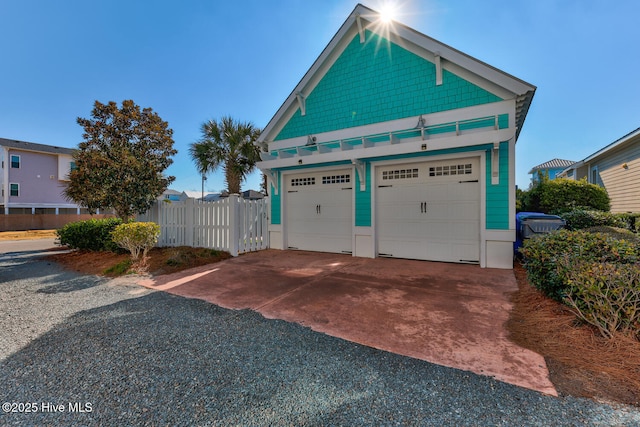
(551, 164)
(32, 146)
(615, 144)
(363, 19)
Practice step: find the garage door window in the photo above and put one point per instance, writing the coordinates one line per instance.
(400, 174)
(465, 169)
(336, 179)
(297, 182)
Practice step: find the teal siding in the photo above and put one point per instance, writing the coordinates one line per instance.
(275, 203)
(497, 206)
(379, 81)
(363, 199)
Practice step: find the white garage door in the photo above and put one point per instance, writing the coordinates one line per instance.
(318, 211)
(429, 210)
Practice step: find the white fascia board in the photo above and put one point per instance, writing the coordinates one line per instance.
(408, 146)
(467, 62)
(616, 144)
(461, 114)
(495, 81)
(311, 78)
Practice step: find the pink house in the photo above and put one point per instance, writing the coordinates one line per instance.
(32, 178)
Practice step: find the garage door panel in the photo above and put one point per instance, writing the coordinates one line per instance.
(319, 213)
(433, 215)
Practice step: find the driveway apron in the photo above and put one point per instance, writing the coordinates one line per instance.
(449, 314)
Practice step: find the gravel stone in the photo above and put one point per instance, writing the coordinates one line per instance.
(113, 353)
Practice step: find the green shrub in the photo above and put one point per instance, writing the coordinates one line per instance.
(561, 195)
(93, 234)
(578, 219)
(616, 233)
(606, 296)
(549, 258)
(136, 237)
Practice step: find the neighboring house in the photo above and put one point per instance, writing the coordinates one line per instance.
(551, 169)
(394, 144)
(616, 167)
(33, 178)
(252, 195)
(170, 195)
(214, 197)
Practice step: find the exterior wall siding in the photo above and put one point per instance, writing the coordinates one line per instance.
(276, 217)
(622, 184)
(497, 207)
(379, 81)
(363, 199)
(34, 177)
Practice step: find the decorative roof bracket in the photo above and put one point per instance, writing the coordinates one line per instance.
(438, 63)
(273, 177)
(302, 103)
(361, 168)
(360, 28)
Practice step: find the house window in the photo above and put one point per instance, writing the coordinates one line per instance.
(595, 176)
(72, 166)
(14, 189)
(15, 162)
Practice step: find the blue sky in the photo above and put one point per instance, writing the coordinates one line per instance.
(196, 60)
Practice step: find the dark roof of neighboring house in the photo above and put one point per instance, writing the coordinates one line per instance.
(551, 164)
(252, 195)
(32, 146)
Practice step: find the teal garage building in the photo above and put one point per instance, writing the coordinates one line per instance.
(394, 144)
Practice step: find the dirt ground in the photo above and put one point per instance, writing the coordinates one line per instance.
(581, 363)
(27, 235)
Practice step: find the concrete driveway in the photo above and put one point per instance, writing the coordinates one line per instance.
(449, 314)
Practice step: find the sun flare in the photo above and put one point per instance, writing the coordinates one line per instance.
(388, 12)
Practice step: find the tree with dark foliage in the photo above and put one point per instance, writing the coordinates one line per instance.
(121, 162)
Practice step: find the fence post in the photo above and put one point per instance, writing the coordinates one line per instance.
(234, 225)
(189, 230)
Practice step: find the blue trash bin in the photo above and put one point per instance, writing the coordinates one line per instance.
(532, 224)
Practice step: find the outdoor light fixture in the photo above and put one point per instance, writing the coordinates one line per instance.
(311, 140)
(625, 166)
(421, 122)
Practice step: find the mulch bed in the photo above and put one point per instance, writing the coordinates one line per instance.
(581, 363)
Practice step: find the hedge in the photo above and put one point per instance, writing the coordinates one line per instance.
(549, 258)
(93, 234)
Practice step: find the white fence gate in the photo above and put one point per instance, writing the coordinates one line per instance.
(232, 224)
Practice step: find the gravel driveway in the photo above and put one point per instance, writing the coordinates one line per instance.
(81, 350)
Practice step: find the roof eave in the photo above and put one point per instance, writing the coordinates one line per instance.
(521, 90)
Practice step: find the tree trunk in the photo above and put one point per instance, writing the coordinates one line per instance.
(233, 180)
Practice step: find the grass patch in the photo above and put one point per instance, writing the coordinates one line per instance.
(119, 269)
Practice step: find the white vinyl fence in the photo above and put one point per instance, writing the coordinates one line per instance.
(232, 224)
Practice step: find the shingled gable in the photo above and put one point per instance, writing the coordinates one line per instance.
(396, 145)
(363, 23)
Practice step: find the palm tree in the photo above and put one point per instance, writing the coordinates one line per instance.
(230, 144)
